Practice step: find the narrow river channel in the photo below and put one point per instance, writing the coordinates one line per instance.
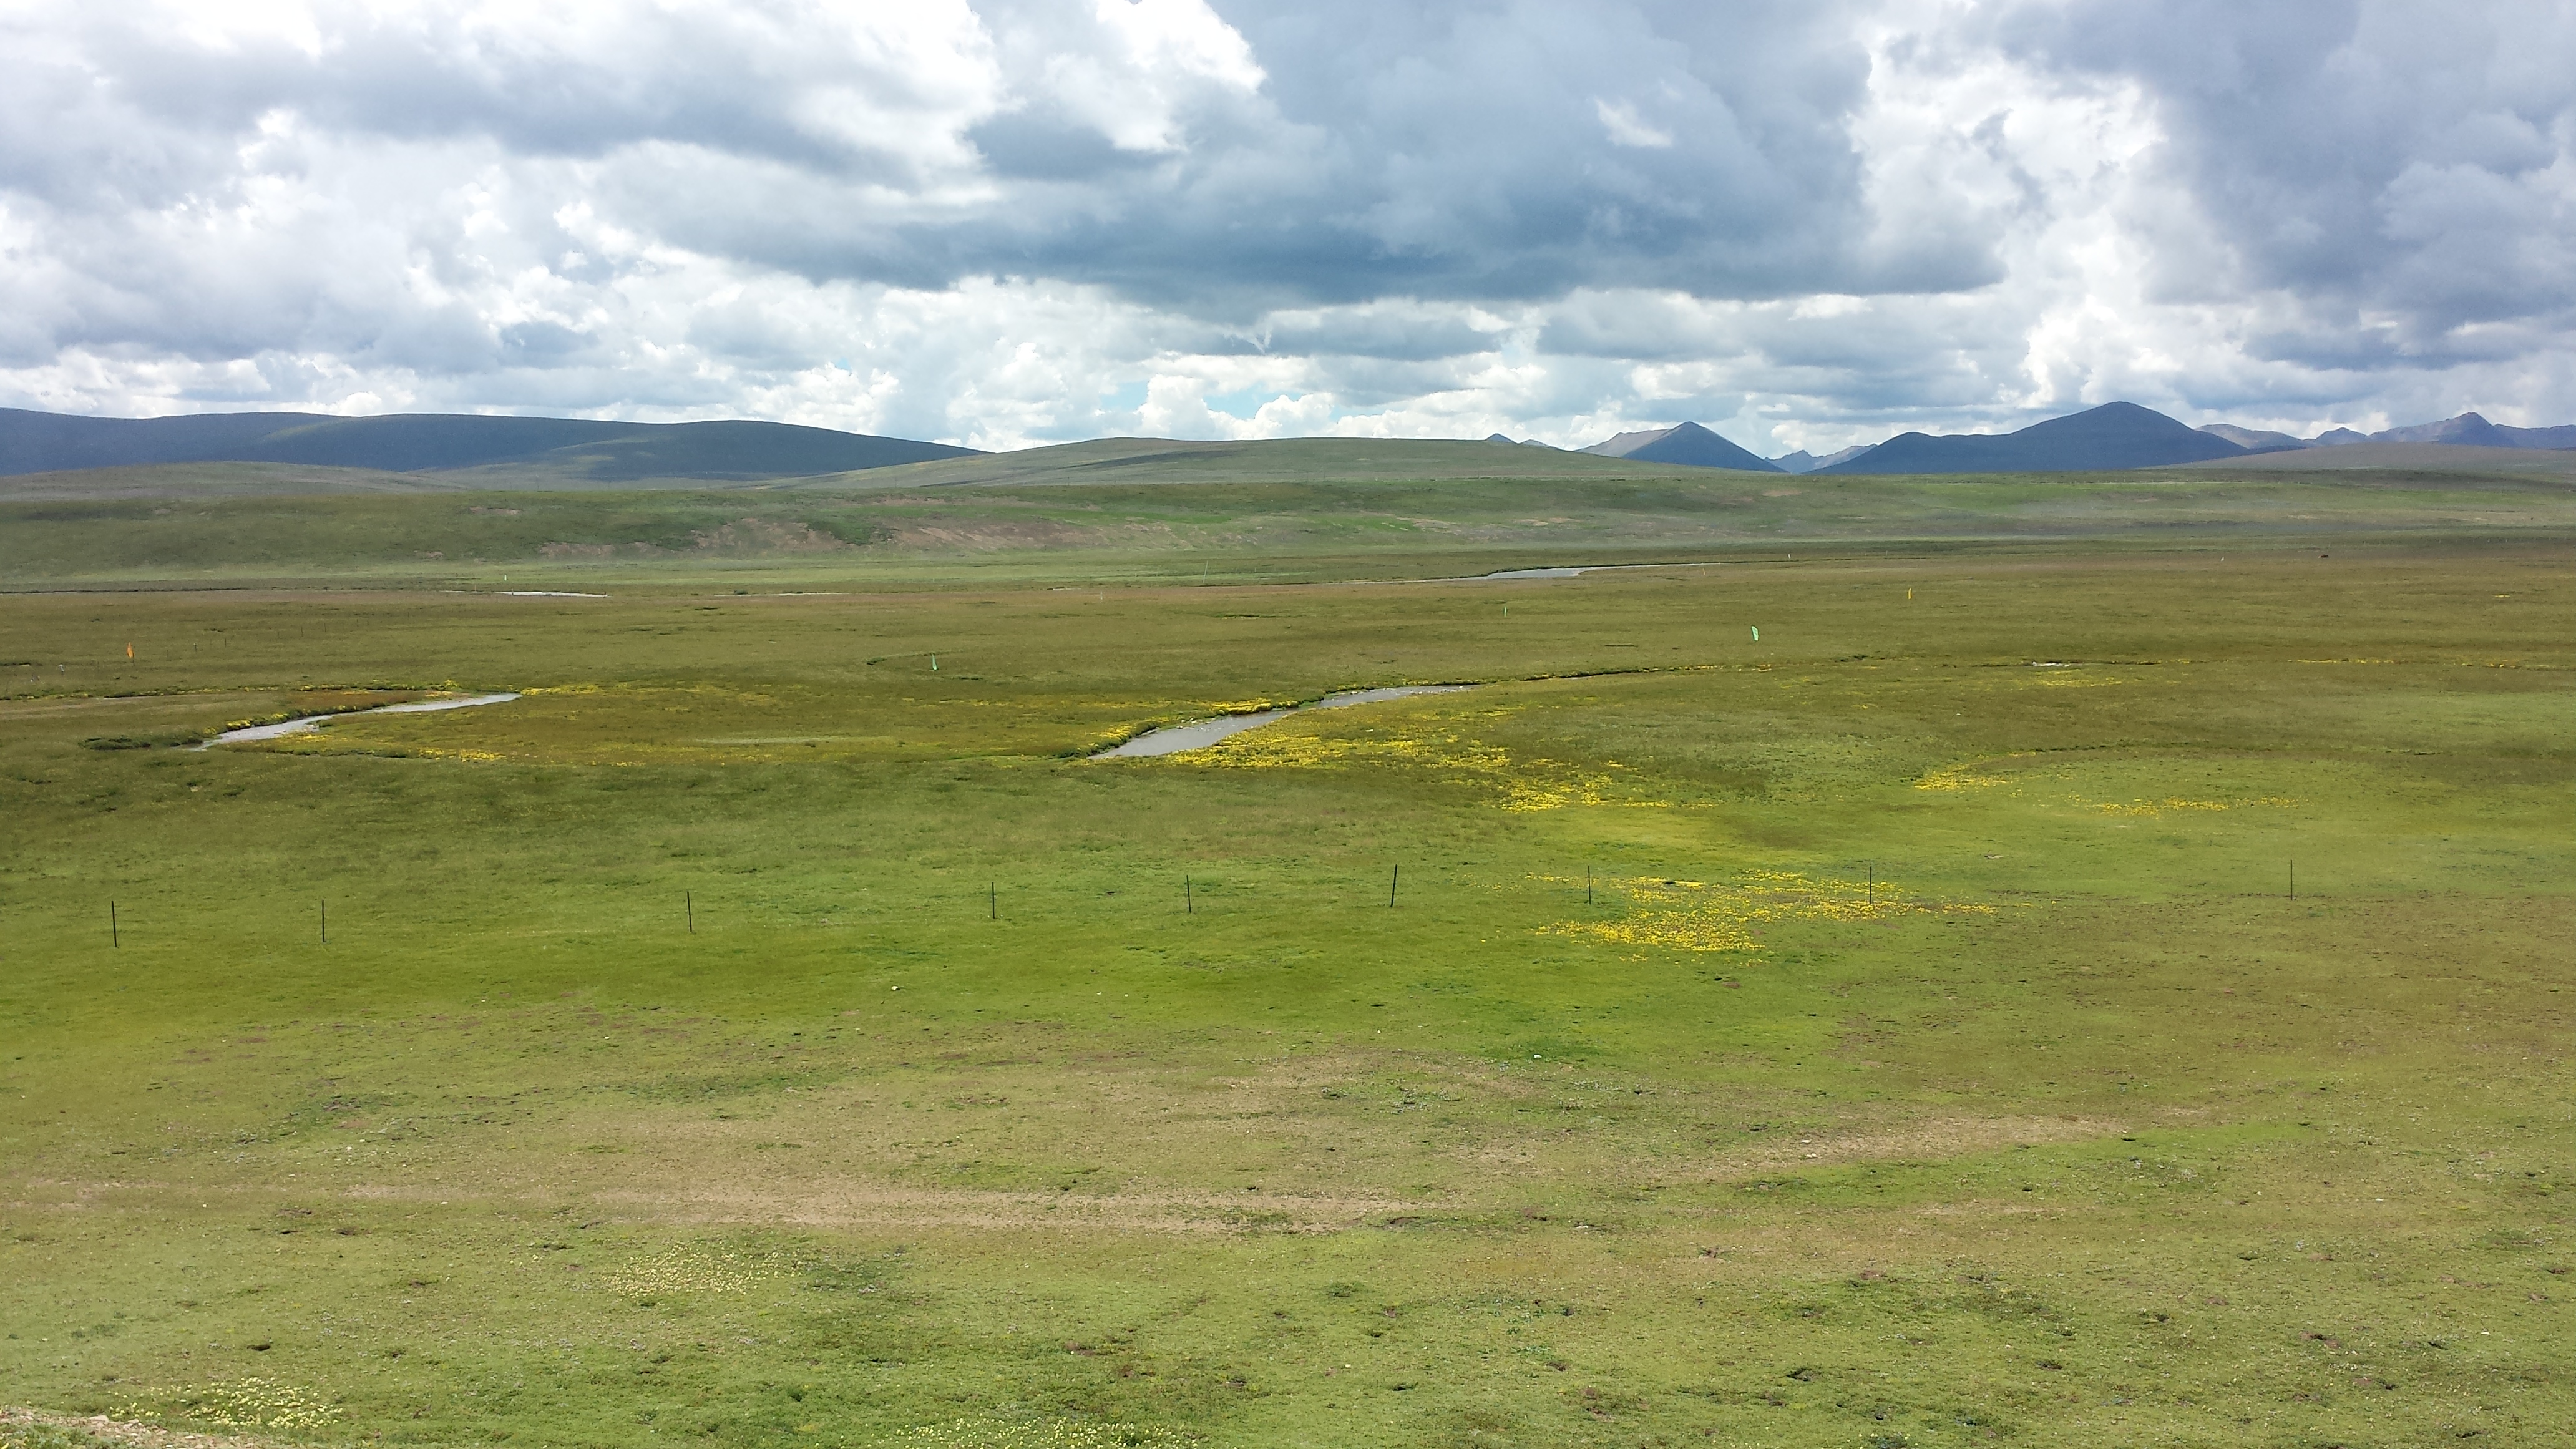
(1199, 734)
(306, 724)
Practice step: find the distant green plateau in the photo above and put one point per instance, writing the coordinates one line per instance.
(1289, 511)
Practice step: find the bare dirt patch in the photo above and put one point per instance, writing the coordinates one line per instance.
(16, 1426)
(1935, 1140)
(765, 536)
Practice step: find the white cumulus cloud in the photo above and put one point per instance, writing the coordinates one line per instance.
(1004, 222)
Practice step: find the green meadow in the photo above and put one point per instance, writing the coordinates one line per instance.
(1895, 1029)
(1309, 511)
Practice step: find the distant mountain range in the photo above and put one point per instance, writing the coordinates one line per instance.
(2114, 435)
(597, 452)
(2467, 430)
(483, 451)
(2110, 437)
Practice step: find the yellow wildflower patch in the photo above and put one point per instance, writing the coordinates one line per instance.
(1959, 777)
(2152, 809)
(1279, 749)
(692, 1270)
(254, 1403)
(1521, 784)
(1041, 1434)
(1689, 915)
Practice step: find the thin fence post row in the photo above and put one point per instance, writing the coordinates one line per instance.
(993, 900)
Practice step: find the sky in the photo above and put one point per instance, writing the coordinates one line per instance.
(1005, 224)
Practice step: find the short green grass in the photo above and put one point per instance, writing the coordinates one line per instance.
(1002, 523)
(1896, 1031)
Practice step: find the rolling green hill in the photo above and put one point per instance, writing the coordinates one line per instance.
(2400, 458)
(1287, 510)
(579, 448)
(1274, 460)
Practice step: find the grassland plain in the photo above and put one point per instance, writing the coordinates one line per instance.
(990, 522)
(1893, 1031)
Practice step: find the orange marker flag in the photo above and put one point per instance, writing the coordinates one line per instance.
(129, 651)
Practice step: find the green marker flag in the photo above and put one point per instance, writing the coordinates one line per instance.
(1757, 632)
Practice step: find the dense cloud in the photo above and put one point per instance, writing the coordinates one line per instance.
(1012, 222)
(2398, 176)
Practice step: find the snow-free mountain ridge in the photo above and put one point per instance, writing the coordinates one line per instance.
(2114, 435)
(485, 451)
(2468, 430)
(599, 452)
(2110, 437)
(1688, 444)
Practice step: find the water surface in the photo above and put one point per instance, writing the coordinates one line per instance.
(306, 724)
(1199, 734)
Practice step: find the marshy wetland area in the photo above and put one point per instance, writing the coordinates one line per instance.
(1895, 1030)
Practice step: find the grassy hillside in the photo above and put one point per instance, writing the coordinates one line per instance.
(1143, 529)
(207, 481)
(1131, 461)
(572, 449)
(1281, 460)
(2419, 460)
(191, 482)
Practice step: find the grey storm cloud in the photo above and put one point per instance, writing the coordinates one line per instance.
(1462, 152)
(994, 220)
(1459, 153)
(2404, 171)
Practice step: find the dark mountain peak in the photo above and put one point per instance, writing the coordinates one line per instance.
(1687, 444)
(2473, 430)
(2113, 420)
(2467, 428)
(2113, 436)
(1694, 446)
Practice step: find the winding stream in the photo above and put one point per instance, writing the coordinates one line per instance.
(1174, 740)
(1199, 734)
(306, 724)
